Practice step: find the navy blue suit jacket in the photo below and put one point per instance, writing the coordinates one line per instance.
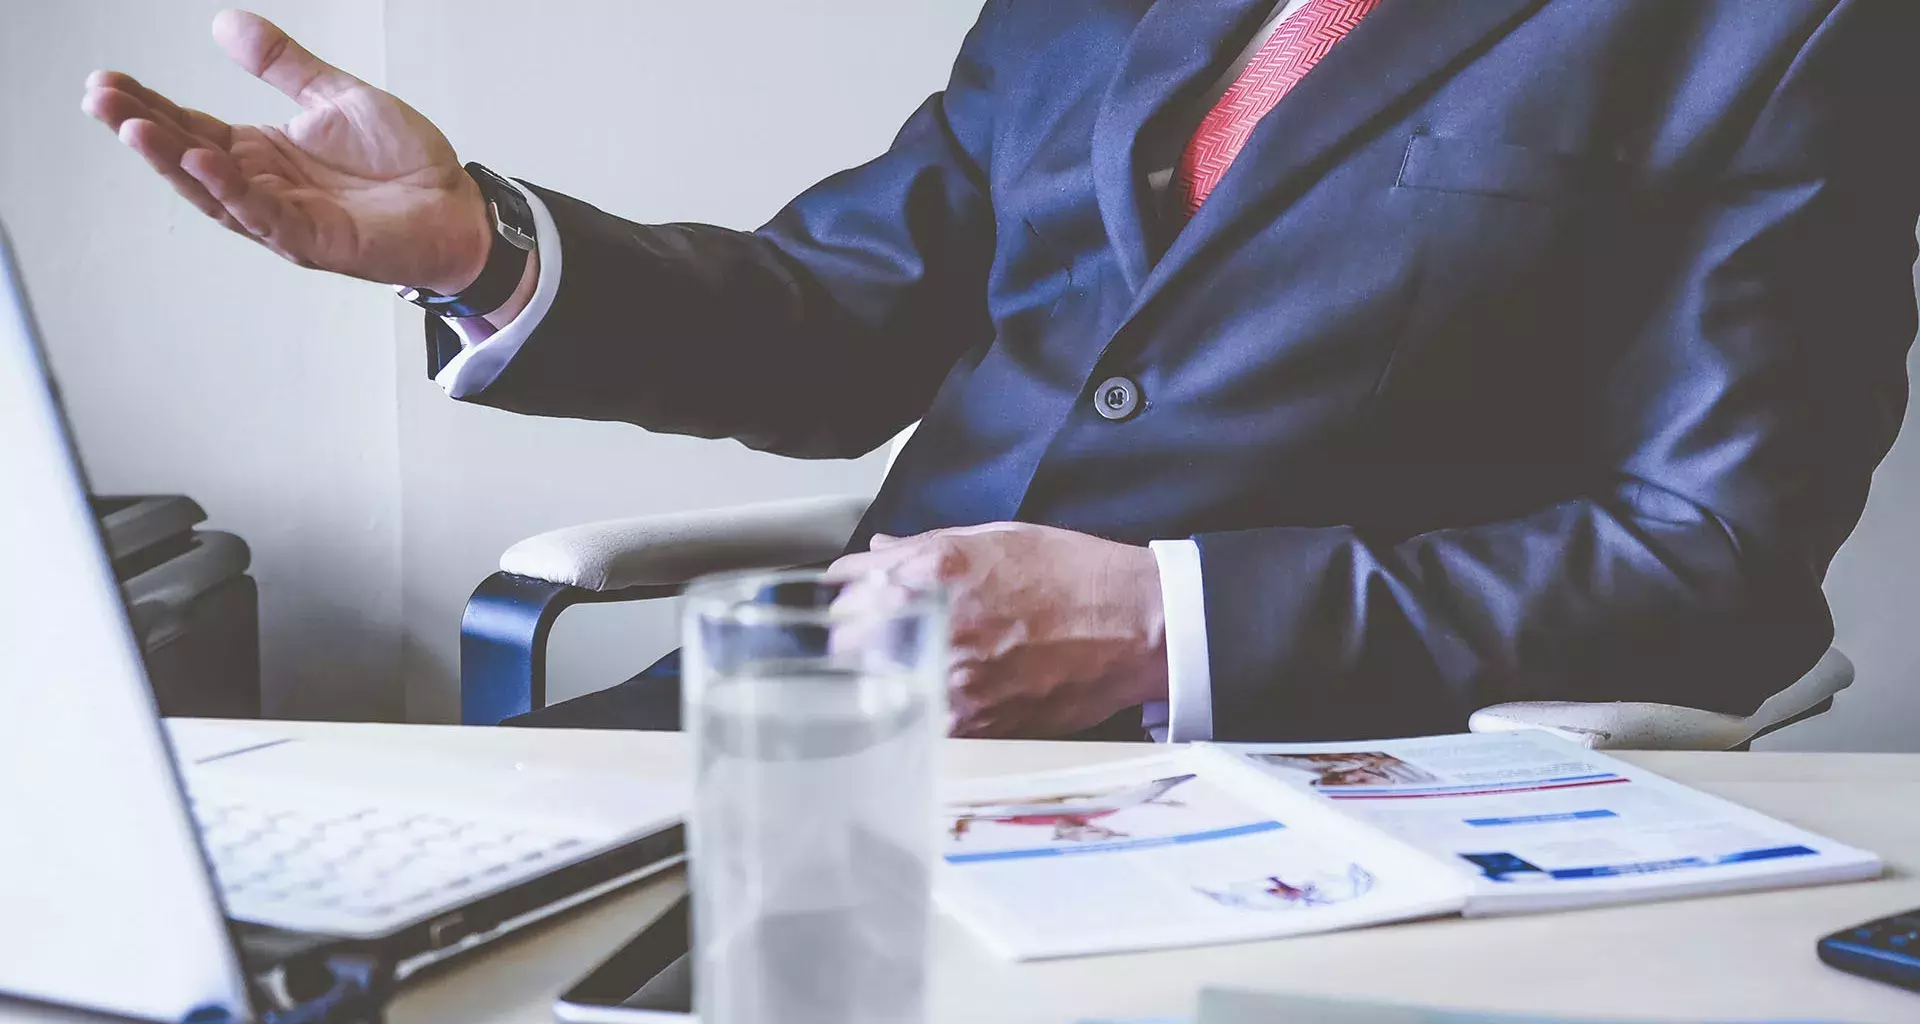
(1531, 349)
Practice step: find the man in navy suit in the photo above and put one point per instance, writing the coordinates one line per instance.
(1286, 370)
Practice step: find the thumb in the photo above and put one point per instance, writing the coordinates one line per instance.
(881, 540)
(267, 53)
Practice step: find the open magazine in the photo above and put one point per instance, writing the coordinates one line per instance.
(1222, 843)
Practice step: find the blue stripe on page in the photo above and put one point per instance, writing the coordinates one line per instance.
(1770, 853)
(1120, 845)
(1538, 819)
(1656, 866)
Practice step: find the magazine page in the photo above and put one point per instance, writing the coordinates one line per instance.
(1177, 849)
(1539, 822)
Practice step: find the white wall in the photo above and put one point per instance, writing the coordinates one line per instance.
(294, 405)
(194, 362)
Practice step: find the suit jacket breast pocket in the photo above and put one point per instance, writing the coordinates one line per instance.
(1444, 163)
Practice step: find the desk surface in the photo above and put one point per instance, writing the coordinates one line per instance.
(1748, 956)
(1728, 957)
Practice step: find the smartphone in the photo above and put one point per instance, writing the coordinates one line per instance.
(649, 979)
(1885, 950)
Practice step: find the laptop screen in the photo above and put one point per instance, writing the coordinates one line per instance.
(105, 897)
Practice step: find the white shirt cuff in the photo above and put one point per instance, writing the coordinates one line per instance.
(1188, 712)
(488, 351)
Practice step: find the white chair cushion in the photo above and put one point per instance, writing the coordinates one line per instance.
(677, 547)
(1635, 726)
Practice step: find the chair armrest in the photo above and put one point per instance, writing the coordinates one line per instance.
(671, 549)
(503, 635)
(1637, 726)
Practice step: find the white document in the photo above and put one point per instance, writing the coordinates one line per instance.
(1538, 823)
(1225, 843)
(1180, 849)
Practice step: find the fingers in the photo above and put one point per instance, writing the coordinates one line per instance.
(858, 564)
(186, 147)
(935, 557)
(161, 144)
(122, 104)
(985, 719)
(260, 212)
(163, 147)
(883, 541)
(269, 54)
(884, 552)
(112, 108)
(977, 530)
(111, 93)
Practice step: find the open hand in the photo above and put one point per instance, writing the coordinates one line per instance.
(357, 182)
(1053, 631)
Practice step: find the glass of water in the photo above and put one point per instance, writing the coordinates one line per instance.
(816, 709)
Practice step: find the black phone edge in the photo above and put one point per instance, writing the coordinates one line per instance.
(653, 950)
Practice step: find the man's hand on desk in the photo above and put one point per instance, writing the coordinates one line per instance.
(1053, 631)
(357, 182)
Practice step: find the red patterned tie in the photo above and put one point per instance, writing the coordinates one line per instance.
(1292, 51)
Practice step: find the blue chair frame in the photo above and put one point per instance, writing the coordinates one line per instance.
(503, 641)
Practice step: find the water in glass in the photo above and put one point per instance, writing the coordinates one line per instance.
(813, 833)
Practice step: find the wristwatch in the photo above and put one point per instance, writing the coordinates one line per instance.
(512, 221)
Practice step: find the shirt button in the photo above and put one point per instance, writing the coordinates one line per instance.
(1116, 398)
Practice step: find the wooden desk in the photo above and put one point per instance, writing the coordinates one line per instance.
(1734, 957)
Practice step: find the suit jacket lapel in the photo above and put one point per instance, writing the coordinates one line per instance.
(1397, 49)
(1176, 50)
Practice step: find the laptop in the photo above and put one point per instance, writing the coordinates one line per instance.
(149, 885)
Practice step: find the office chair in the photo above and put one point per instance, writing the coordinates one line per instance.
(503, 637)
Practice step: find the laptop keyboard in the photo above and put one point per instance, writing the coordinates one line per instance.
(363, 866)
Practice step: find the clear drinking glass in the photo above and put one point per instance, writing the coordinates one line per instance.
(816, 709)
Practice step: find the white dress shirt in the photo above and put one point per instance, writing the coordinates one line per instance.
(1187, 714)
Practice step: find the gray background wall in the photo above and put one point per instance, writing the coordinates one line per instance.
(193, 362)
(295, 406)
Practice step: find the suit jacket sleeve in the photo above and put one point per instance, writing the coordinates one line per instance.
(821, 334)
(1743, 425)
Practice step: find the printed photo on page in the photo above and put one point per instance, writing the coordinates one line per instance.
(1165, 851)
(1539, 822)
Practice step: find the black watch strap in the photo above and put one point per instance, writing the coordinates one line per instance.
(513, 238)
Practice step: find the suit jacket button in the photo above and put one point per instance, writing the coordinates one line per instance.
(1116, 398)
